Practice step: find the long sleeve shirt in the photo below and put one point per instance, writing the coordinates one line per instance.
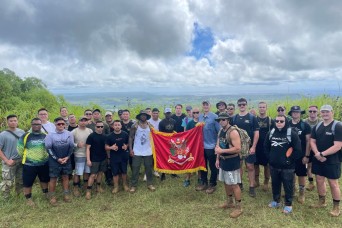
(59, 144)
(210, 130)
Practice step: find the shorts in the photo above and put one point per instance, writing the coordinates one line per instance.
(31, 172)
(300, 168)
(97, 167)
(118, 168)
(330, 171)
(72, 159)
(251, 159)
(56, 169)
(81, 166)
(261, 158)
(230, 177)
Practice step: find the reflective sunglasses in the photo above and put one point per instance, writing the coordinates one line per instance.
(60, 124)
(279, 121)
(242, 104)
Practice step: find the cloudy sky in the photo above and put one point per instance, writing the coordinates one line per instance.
(216, 46)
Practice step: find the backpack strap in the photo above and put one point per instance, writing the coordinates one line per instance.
(46, 132)
(288, 134)
(25, 148)
(271, 133)
(334, 126)
(251, 122)
(12, 133)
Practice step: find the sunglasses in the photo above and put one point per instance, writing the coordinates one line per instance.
(223, 120)
(230, 108)
(242, 104)
(279, 121)
(99, 126)
(312, 111)
(88, 114)
(280, 110)
(195, 112)
(60, 124)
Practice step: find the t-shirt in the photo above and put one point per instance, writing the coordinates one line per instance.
(265, 125)
(142, 145)
(185, 121)
(178, 119)
(127, 127)
(167, 125)
(35, 149)
(154, 123)
(244, 122)
(97, 147)
(191, 124)
(8, 143)
(48, 128)
(118, 139)
(80, 135)
(312, 123)
(70, 128)
(106, 130)
(302, 130)
(227, 164)
(325, 139)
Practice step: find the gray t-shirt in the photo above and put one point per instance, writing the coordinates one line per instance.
(8, 143)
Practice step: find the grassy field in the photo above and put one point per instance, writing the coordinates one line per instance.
(171, 205)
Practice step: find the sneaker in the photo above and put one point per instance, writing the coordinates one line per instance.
(274, 204)
(88, 195)
(201, 187)
(156, 174)
(151, 188)
(186, 183)
(252, 192)
(162, 177)
(145, 178)
(236, 212)
(126, 188)
(53, 201)
(67, 198)
(133, 190)
(210, 190)
(287, 210)
(335, 212)
(99, 189)
(30, 203)
(174, 176)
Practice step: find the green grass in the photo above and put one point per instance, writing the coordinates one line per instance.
(171, 205)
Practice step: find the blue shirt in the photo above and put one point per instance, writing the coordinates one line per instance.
(210, 130)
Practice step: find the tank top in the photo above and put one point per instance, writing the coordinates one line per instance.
(142, 145)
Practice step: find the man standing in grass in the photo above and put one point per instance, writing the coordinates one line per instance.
(141, 151)
(97, 117)
(154, 121)
(188, 118)
(326, 143)
(31, 149)
(312, 120)
(96, 158)
(210, 130)
(282, 148)
(11, 164)
(227, 151)
(60, 146)
(304, 131)
(249, 123)
(80, 137)
(117, 144)
(266, 124)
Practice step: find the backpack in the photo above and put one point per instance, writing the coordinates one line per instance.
(288, 134)
(244, 138)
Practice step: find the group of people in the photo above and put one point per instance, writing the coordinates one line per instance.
(90, 148)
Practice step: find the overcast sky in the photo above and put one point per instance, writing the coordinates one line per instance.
(170, 45)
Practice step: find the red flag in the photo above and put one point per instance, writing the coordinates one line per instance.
(178, 153)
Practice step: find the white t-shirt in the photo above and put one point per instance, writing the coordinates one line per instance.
(80, 135)
(142, 145)
(154, 123)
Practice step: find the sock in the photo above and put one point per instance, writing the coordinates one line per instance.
(28, 196)
(301, 187)
(336, 202)
(45, 190)
(89, 187)
(321, 197)
(76, 183)
(239, 201)
(310, 179)
(66, 191)
(98, 184)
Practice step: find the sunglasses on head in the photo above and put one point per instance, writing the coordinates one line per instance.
(312, 111)
(242, 104)
(99, 126)
(61, 124)
(195, 112)
(280, 110)
(279, 121)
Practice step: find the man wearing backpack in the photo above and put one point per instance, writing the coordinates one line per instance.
(304, 131)
(326, 143)
(266, 124)
(249, 123)
(11, 163)
(227, 150)
(282, 148)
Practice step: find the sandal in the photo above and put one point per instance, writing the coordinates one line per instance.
(274, 204)
(287, 210)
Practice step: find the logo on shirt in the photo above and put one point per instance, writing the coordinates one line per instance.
(328, 133)
(275, 143)
(247, 121)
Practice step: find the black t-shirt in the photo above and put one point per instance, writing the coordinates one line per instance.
(228, 164)
(325, 139)
(119, 140)
(244, 122)
(178, 119)
(302, 130)
(97, 149)
(167, 125)
(126, 127)
(70, 128)
(265, 125)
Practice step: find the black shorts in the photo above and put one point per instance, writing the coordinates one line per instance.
(250, 159)
(330, 171)
(261, 158)
(31, 172)
(119, 168)
(97, 167)
(300, 169)
(56, 169)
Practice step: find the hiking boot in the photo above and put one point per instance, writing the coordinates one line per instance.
(162, 177)
(237, 211)
(133, 190)
(201, 187)
(211, 189)
(53, 201)
(265, 187)
(115, 189)
(76, 192)
(301, 197)
(335, 211)
(228, 204)
(151, 188)
(186, 183)
(310, 186)
(125, 186)
(88, 195)
(320, 204)
(252, 192)
(30, 203)
(67, 198)
(99, 189)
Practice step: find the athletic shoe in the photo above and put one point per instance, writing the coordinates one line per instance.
(186, 183)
